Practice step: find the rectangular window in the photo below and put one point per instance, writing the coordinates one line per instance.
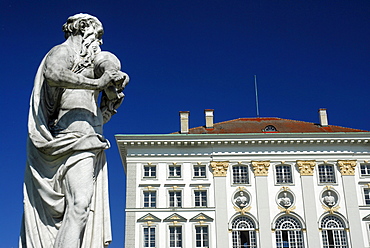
(367, 196)
(201, 236)
(149, 199)
(283, 174)
(175, 199)
(326, 173)
(176, 236)
(200, 171)
(200, 198)
(365, 169)
(174, 171)
(150, 171)
(149, 236)
(240, 175)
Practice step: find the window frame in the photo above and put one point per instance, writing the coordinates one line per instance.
(333, 236)
(366, 196)
(150, 171)
(240, 175)
(320, 176)
(204, 242)
(367, 169)
(175, 235)
(283, 172)
(175, 200)
(200, 173)
(150, 198)
(144, 242)
(295, 234)
(201, 200)
(177, 173)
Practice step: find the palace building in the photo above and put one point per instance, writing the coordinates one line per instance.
(248, 183)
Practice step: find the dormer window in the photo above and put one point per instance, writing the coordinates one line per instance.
(269, 128)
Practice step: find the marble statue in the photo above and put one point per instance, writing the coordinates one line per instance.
(65, 186)
(241, 201)
(329, 200)
(285, 200)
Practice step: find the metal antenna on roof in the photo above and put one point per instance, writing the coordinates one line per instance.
(256, 90)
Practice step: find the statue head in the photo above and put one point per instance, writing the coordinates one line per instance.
(83, 24)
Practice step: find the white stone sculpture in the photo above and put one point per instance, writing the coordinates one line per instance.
(329, 200)
(285, 200)
(65, 186)
(241, 201)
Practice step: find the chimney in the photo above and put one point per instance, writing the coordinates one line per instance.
(184, 121)
(209, 118)
(323, 117)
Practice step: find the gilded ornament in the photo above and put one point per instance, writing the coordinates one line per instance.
(260, 168)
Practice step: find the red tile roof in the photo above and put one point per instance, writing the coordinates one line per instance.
(258, 125)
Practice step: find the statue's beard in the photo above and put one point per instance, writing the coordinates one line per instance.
(87, 55)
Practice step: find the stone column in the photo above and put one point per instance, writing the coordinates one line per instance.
(306, 169)
(347, 169)
(260, 169)
(219, 178)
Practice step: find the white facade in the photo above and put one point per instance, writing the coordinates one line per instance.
(247, 190)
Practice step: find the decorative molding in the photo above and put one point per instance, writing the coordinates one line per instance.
(287, 210)
(347, 167)
(219, 168)
(242, 211)
(306, 167)
(331, 210)
(260, 168)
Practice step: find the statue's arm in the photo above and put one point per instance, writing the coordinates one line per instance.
(57, 72)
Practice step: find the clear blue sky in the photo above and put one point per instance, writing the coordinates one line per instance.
(190, 55)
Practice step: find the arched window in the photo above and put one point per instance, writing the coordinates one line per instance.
(333, 233)
(288, 233)
(244, 233)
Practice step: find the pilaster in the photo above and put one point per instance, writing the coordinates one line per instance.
(260, 169)
(306, 169)
(219, 176)
(347, 169)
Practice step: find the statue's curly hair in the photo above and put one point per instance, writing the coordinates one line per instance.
(76, 22)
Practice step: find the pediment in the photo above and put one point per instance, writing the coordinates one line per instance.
(201, 217)
(175, 217)
(149, 217)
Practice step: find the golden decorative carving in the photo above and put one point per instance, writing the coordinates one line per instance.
(219, 168)
(149, 188)
(306, 167)
(260, 168)
(347, 167)
(149, 223)
(286, 210)
(330, 210)
(242, 211)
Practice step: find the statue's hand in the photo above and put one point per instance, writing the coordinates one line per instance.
(110, 77)
(123, 81)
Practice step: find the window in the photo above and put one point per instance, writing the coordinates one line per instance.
(149, 237)
(150, 170)
(284, 174)
(175, 236)
(200, 198)
(201, 236)
(326, 173)
(199, 171)
(240, 175)
(365, 169)
(149, 199)
(333, 233)
(288, 233)
(367, 196)
(175, 198)
(174, 170)
(243, 233)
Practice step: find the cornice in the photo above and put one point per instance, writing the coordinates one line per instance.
(245, 139)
